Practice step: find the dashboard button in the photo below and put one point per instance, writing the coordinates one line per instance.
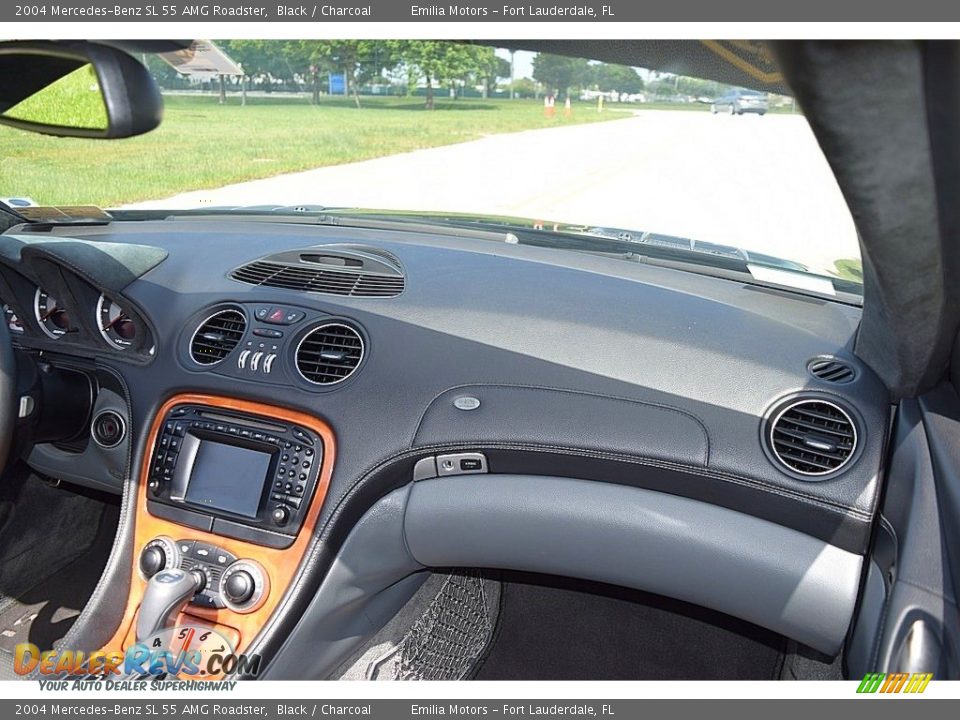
(302, 436)
(261, 313)
(268, 332)
(242, 360)
(268, 363)
(280, 515)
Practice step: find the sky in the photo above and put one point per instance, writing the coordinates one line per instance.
(523, 62)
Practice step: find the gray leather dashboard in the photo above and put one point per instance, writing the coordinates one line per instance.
(614, 374)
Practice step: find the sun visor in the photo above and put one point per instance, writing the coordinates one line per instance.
(744, 63)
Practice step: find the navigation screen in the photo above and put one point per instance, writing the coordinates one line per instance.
(228, 478)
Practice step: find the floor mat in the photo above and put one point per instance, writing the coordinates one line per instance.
(53, 548)
(43, 529)
(439, 635)
(559, 629)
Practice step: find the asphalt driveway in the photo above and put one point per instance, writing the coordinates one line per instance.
(755, 182)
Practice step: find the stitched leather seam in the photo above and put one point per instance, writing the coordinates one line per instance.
(669, 408)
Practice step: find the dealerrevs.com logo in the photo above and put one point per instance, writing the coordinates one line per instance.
(186, 651)
(889, 683)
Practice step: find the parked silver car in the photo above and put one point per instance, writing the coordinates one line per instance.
(740, 102)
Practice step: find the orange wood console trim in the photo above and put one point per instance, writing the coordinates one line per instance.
(280, 564)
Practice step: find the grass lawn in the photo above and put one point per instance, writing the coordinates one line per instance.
(202, 144)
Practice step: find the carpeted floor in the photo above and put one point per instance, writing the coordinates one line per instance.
(54, 543)
(560, 629)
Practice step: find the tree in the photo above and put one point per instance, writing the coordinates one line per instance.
(435, 61)
(524, 88)
(266, 58)
(360, 61)
(490, 67)
(561, 73)
(617, 78)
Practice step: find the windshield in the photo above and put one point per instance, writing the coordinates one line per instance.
(628, 152)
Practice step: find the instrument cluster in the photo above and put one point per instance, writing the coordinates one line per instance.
(96, 320)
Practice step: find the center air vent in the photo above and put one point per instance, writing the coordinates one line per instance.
(351, 270)
(812, 437)
(329, 354)
(217, 336)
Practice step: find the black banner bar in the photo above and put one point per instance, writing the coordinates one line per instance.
(428, 11)
(209, 705)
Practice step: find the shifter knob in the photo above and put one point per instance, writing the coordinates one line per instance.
(167, 593)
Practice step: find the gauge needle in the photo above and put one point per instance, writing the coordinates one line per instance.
(49, 314)
(113, 322)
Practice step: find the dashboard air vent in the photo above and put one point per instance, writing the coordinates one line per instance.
(813, 437)
(217, 336)
(339, 269)
(832, 370)
(329, 354)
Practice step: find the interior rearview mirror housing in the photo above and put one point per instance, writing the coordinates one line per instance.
(76, 89)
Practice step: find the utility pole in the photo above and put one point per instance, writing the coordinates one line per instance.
(513, 93)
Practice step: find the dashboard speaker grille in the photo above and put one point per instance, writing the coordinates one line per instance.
(353, 283)
(217, 336)
(813, 437)
(832, 370)
(329, 354)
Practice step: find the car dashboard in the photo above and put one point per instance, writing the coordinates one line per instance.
(514, 406)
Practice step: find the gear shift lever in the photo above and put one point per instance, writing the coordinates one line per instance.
(167, 594)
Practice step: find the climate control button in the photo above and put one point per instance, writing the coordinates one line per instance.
(239, 587)
(244, 586)
(161, 553)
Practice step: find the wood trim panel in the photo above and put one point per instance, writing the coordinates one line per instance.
(280, 563)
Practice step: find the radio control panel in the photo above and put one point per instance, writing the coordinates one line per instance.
(233, 474)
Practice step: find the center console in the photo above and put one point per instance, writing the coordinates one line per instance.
(230, 493)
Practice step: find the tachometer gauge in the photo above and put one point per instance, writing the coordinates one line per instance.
(52, 318)
(13, 322)
(115, 325)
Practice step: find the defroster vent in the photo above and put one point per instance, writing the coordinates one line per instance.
(329, 353)
(217, 336)
(338, 269)
(812, 437)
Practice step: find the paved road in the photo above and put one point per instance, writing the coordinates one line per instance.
(759, 183)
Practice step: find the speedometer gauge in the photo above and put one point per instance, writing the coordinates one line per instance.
(115, 325)
(13, 322)
(52, 318)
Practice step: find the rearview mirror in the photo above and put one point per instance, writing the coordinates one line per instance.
(76, 89)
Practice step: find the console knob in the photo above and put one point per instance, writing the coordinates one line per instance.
(239, 587)
(280, 515)
(152, 560)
